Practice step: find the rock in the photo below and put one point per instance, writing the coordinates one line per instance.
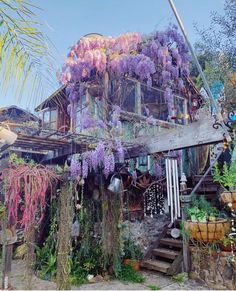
(146, 231)
(228, 272)
(96, 279)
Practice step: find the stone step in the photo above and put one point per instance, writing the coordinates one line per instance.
(172, 242)
(165, 253)
(156, 265)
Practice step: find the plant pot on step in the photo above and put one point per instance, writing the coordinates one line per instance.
(229, 198)
(207, 231)
(227, 248)
(135, 264)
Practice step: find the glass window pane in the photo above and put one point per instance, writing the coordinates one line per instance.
(53, 115)
(46, 116)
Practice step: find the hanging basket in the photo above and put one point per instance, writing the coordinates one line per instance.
(207, 231)
(95, 90)
(229, 198)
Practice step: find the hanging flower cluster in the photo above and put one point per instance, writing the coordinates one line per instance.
(161, 59)
(101, 157)
(27, 186)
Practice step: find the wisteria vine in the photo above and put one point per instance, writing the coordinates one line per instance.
(103, 157)
(161, 58)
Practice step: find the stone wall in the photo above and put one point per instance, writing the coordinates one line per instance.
(146, 231)
(214, 269)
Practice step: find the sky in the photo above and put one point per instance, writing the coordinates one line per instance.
(65, 21)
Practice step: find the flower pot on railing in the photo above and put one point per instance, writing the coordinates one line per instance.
(229, 198)
(207, 231)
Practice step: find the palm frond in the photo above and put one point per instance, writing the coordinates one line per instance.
(24, 50)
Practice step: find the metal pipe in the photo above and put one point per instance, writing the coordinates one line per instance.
(174, 187)
(213, 101)
(167, 182)
(177, 187)
(171, 192)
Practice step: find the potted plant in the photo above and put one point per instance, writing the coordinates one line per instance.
(227, 179)
(204, 222)
(228, 243)
(132, 254)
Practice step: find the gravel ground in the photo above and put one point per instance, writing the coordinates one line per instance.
(152, 279)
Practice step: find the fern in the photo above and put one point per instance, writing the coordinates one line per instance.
(227, 178)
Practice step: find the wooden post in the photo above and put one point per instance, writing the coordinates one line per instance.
(64, 235)
(186, 253)
(6, 248)
(4, 253)
(138, 100)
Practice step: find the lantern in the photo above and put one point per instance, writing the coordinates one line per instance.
(194, 103)
(173, 113)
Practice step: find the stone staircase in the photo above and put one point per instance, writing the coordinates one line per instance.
(165, 255)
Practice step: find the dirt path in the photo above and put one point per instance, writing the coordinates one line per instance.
(152, 279)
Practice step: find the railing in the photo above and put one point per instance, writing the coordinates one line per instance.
(205, 174)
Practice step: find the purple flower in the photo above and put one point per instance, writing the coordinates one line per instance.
(158, 170)
(75, 168)
(120, 151)
(85, 168)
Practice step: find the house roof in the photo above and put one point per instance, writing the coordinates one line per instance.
(57, 98)
(16, 114)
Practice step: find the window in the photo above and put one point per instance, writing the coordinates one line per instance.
(50, 119)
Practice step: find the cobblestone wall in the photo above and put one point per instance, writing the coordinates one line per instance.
(215, 270)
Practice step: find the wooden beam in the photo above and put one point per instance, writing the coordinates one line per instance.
(135, 117)
(194, 134)
(138, 99)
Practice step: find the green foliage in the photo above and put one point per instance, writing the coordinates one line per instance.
(180, 278)
(131, 250)
(201, 209)
(217, 45)
(86, 256)
(228, 240)
(153, 287)
(184, 232)
(14, 159)
(227, 178)
(46, 256)
(129, 274)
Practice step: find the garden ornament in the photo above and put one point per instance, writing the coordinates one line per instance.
(7, 136)
(115, 185)
(75, 230)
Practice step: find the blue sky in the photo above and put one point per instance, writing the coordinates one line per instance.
(65, 21)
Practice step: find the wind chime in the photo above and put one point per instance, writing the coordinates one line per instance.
(172, 182)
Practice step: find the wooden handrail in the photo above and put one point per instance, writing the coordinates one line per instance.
(205, 174)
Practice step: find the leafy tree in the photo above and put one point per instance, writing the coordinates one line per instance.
(24, 49)
(217, 51)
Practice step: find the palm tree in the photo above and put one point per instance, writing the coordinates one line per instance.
(24, 49)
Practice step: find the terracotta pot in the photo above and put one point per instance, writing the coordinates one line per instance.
(207, 231)
(133, 263)
(229, 197)
(226, 248)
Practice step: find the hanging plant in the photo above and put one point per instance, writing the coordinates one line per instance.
(27, 185)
